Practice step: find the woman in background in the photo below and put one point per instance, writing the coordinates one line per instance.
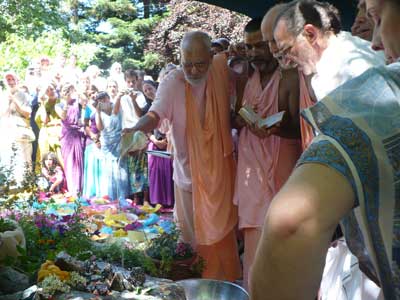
(161, 186)
(93, 155)
(17, 135)
(72, 138)
(114, 182)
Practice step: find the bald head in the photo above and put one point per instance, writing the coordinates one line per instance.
(196, 56)
(267, 30)
(196, 40)
(267, 25)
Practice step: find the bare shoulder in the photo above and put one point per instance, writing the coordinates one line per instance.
(289, 81)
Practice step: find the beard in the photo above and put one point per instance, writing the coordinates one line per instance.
(285, 66)
(195, 81)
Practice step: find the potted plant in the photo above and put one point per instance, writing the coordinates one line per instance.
(11, 238)
(174, 259)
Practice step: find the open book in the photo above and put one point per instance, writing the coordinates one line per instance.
(251, 117)
(159, 153)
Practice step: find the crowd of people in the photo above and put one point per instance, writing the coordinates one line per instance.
(281, 188)
(66, 124)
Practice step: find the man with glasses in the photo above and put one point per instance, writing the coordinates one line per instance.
(265, 157)
(309, 34)
(195, 100)
(307, 98)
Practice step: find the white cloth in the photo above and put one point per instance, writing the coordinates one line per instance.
(129, 116)
(16, 145)
(345, 58)
(342, 278)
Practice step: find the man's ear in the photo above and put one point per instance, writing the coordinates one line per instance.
(310, 32)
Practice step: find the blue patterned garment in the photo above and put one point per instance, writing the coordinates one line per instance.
(358, 128)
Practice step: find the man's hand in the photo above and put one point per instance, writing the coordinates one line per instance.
(263, 132)
(133, 96)
(126, 131)
(238, 122)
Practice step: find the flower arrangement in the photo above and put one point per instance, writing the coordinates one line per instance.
(174, 259)
(167, 244)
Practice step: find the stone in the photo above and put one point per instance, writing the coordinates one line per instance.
(120, 283)
(138, 276)
(67, 263)
(12, 281)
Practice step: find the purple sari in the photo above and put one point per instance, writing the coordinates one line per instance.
(72, 147)
(161, 185)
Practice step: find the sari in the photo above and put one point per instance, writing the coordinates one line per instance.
(114, 175)
(358, 128)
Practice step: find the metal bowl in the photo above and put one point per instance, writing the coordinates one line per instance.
(207, 289)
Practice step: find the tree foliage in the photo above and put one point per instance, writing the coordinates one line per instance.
(29, 18)
(127, 33)
(192, 15)
(18, 52)
(32, 28)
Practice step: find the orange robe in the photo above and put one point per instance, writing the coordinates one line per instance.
(307, 133)
(212, 166)
(265, 164)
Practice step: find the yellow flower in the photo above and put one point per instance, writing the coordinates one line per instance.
(49, 268)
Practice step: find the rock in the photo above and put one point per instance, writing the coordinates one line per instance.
(120, 283)
(12, 281)
(95, 277)
(29, 293)
(67, 263)
(166, 290)
(74, 295)
(138, 276)
(15, 296)
(101, 289)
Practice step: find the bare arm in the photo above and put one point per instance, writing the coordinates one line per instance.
(289, 101)
(137, 108)
(23, 110)
(147, 123)
(62, 112)
(99, 122)
(297, 232)
(117, 105)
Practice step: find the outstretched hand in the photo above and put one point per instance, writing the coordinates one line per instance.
(126, 131)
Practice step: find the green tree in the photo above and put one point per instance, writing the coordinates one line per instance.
(29, 18)
(18, 52)
(127, 33)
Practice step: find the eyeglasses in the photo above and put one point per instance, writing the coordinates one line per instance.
(285, 51)
(262, 45)
(199, 65)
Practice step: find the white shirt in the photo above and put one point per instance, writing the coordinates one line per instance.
(170, 104)
(345, 58)
(129, 116)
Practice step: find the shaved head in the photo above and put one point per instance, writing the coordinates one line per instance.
(195, 40)
(267, 25)
(267, 30)
(196, 56)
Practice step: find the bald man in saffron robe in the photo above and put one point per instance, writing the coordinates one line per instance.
(195, 99)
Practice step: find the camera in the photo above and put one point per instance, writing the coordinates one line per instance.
(129, 91)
